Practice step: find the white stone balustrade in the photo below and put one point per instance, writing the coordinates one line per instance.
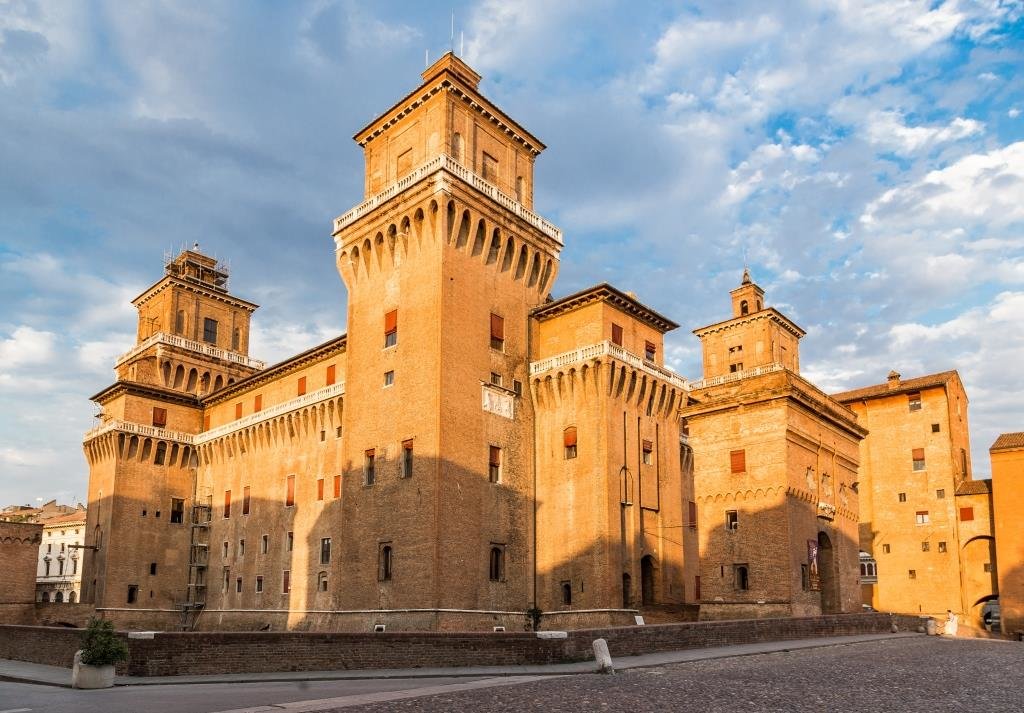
(198, 347)
(606, 348)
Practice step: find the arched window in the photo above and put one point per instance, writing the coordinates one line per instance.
(497, 568)
(566, 593)
(569, 442)
(161, 453)
(46, 596)
(321, 582)
(744, 308)
(72, 598)
(384, 568)
(741, 576)
(58, 597)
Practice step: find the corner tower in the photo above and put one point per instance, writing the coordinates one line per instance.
(443, 262)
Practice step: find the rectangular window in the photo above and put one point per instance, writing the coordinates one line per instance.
(966, 514)
(320, 489)
(331, 374)
(935, 428)
(490, 168)
(616, 334)
(926, 546)
(159, 417)
(245, 500)
(177, 510)
(912, 573)
(495, 379)
(384, 562)
(692, 515)
(227, 504)
(805, 577)
(369, 466)
(257, 403)
(738, 461)
(391, 328)
(940, 494)
(238, 410)
(179, 322)
(902, 497)
(289, 498)
(942, 546)
(914, 400)
(494, 464)
(517, 387)
(389, 378)
(301, 386)
(210, 330)
(152, 568)
(987, 567)
(133, 593)
(732, 520)
(647, 451)
(741, 576)
(922, 517)
(238, 585)
(289, 541)
(696, 588)
(224, 550)
(259, 583)
(286, 581)
(407, 459)
(337, 486)
(886, 549)
(325, 550)
(265, 544)
(650, 351)
(918, 458)
(497, 332)
(241, 548)
(569, 442)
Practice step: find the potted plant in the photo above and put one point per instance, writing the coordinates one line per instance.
(101, 649)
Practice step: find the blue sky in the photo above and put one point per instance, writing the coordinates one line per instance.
(866, 157)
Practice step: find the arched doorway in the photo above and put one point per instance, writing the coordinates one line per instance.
(59, 597)
(827, 575)
(647, 580)
(627, 591)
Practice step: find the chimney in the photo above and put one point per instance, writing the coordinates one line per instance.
(894, 379)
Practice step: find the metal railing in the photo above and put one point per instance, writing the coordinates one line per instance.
(444, 162)
(606, 348)
(200, 347)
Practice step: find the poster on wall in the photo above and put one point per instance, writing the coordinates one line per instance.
(812, 566)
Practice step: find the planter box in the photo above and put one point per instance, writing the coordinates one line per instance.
(86, 676)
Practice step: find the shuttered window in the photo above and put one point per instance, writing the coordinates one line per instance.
(320, 489)
(391, 328)
(738, 461)
(238, 410)
(302, 385)
(159, 417)
(966, 514)
(289, 499)
(650, 351)
(331, 374)
(569, 442)
(617, 334)
(494, 464)
(918, 458)
(497, 332)
(227, 503)
(648, 452)
(337, 486)
(257, 402)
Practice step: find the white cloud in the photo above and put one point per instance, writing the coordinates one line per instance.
(888, 130)
(26, 346)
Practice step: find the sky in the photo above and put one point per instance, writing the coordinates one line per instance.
(865, 159)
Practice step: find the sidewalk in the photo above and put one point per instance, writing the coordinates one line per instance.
(24, 672)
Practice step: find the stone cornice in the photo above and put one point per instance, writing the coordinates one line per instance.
(336, 345)
(168, 280)
(605, 293)
(151, 391)
(769, 313)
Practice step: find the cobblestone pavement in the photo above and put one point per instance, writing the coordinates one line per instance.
(907, 675)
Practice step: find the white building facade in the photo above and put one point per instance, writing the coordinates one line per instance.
(59, 575)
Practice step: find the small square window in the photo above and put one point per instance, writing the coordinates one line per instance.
(987, 567)
(389, 378)
(517, 387)
(886, 549)
(925, 546)
(940, 494)
(914, 401)
(732, 520)
(495, 379)
(912, 573)
(922, 517)
(647, 452)
(935, 428)
(966, 514)
(902, 497)
(942, 546)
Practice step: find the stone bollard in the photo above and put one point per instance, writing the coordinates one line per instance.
(603, 657)
(929, 627)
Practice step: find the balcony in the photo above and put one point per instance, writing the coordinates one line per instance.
(137, 429)
(444, 162)
(606, 348)
(173, 340)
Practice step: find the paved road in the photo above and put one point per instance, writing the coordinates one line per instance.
(929, 675)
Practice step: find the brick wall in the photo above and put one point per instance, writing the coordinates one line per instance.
(19, 554)
(192, 653)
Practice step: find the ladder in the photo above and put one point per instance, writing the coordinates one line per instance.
(198, 562)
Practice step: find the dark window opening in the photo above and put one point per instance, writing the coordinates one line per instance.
(566, 593)
(497, 564)
(494, 464)
(650, 351)
(732, 520)
(369, 466)
(325, 550)
(133, 593)
(497, 332)
(384, 568)
(246, 500)
(407, 459)
(209, 330)
(741, 576)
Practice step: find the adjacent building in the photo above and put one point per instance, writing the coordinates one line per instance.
(59, 572)
(1007, 456)
(926, 527)
(19, 552)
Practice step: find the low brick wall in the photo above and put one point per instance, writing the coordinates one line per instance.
(191, 653)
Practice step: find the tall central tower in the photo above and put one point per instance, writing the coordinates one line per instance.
(443, 262)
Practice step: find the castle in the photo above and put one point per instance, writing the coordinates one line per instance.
(471, 454)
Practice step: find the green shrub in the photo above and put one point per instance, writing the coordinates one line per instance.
(101, 646)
